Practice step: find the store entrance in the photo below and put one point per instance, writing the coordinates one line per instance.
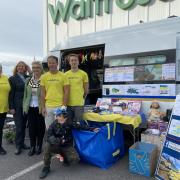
(91, 60)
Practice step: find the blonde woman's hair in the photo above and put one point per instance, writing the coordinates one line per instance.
(39, 64)
(15, 69)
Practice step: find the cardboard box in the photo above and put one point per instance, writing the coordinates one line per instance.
(143, 158)
(161, 125)
(153, 139)
(152, 125)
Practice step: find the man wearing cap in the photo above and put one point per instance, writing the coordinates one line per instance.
(60, 140)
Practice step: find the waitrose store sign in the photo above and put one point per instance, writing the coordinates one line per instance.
(84, 8)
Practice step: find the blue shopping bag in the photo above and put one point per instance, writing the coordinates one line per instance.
(102, 148)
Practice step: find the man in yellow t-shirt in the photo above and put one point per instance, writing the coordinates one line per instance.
(78, 81)
(54, 90)
(4, 94)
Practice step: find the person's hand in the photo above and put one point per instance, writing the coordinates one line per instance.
(44, 112)
(12, 111)
(96, 129)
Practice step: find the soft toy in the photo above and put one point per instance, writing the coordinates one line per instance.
(154, 113)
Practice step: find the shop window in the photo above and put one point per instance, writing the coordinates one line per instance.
(146, 69)
(151, 59)
(121, 62)
(148, 72)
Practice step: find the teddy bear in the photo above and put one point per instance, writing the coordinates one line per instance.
(155, 114)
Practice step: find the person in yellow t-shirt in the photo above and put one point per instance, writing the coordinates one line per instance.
(78, 81)
(54, 90)
(4, 94)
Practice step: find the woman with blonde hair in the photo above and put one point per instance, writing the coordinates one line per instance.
(17, 82)
(33, 108)
(4, 94)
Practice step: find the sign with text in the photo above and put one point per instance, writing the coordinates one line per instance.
(169, 162)
(83, 9)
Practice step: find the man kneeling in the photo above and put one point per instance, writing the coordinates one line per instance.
(60, 141)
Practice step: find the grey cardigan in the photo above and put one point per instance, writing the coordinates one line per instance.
(27, 97)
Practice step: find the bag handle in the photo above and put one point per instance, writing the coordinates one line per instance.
(114, 129)
(86, 122)
(109, 130)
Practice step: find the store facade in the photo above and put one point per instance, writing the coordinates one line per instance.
(139, 41)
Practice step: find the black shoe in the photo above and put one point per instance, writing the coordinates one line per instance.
(38, 150)
(31, 151)
(2, 151)
(25, 147)
(45, 171)
(18, 151)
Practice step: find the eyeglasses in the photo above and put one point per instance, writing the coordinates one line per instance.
(36, 67)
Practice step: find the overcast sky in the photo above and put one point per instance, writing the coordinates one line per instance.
(20, 29)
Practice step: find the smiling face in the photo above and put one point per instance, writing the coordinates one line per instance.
(52, 64)
(74, 61)
(21, 68)
(36, 69)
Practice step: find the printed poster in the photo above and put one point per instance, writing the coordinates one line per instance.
(168, 71)
(175, 128)
(140, 90)
(119, 74)
(168, 167)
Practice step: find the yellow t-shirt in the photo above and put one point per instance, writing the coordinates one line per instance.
(54, 84)
(4, 93)
(76, 82)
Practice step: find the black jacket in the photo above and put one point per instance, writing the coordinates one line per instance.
(58, 133)
(17, 91)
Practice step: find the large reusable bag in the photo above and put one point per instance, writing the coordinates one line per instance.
(102, 148)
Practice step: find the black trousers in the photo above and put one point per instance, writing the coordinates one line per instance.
(36, 127)
(20, 123)
(2, 119)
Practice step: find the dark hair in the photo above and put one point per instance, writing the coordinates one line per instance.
(53, 57)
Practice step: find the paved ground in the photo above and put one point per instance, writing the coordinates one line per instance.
(23, 167)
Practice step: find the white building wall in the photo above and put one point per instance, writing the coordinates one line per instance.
(61, 29)
(54, 34)
(51, 36)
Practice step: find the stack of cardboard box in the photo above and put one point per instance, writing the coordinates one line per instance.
(157, 139)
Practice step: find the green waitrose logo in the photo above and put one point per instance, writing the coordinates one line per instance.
(84, 8)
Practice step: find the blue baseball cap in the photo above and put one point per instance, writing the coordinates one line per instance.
(60, 111)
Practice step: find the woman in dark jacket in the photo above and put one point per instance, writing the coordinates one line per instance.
(17, 82)
(32, 107)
